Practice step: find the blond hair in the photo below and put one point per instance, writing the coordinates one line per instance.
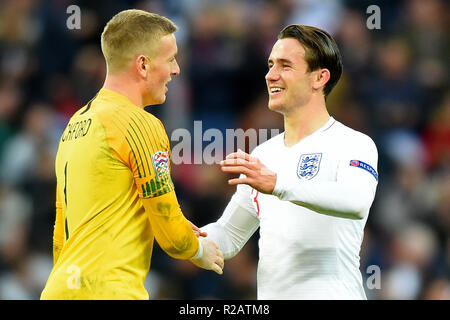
(131, 33)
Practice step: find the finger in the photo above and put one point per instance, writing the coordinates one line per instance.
(238, 155)
(237, 169)
(245, 157)
(220, 262)
(233, 162)
(194, 227)
(233, 155)
(241, 155)
(197, 231)
(217, 269)
(233, 182)
(200, 234)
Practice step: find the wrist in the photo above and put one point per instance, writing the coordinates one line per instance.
(199, 253)
(278, 190)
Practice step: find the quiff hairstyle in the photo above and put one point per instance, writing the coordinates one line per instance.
(131, 33)
(321, 51)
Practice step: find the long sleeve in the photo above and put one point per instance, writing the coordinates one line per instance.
(58, 232)
(173, 231)
(236, 225)
(350, 196)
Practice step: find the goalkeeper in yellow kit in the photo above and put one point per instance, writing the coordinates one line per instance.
(114, 191)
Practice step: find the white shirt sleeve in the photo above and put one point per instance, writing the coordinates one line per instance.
(350, 196)
(236, 225)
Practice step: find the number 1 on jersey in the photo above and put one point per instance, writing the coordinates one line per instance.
(65, 201)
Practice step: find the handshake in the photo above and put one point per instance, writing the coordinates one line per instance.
(209, 256)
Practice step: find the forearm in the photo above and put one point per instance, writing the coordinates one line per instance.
(344, 199)
(233, 229)
(172, 230)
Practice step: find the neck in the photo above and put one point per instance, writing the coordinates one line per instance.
(304, 121)
(125, 85)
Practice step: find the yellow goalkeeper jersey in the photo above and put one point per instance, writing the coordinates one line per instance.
(112, 157)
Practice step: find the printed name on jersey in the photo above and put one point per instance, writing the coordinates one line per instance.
(365, 166)
(160, 161)
(309, 165)
(76, 130)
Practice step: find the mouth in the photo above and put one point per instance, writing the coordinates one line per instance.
(165, 85)
(274, 91)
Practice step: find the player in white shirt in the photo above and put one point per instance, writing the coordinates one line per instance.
(308, 189)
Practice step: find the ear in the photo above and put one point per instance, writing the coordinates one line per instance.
(320, 78)
(142, 65)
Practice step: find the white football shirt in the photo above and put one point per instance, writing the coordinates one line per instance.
(312, 226)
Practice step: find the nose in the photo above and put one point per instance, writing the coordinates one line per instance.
(175, 69)
(272, 74)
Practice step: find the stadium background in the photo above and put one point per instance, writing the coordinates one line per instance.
(394, 88)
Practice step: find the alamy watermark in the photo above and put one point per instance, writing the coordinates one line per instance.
(212, 145)
(74, 279)
(374, 20)
(374, 280)
(73, 21)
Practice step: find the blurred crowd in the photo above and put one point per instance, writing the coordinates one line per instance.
(394, 88)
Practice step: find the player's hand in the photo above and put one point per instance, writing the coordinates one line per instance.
(258, 176)
(197, 231)
(212, 257)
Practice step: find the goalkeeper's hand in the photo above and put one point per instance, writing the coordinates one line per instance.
(209, 256)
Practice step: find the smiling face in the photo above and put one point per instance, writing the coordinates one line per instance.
(288, 80)
(161, 67)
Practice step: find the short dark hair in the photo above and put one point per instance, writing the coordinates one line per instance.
(321, 51)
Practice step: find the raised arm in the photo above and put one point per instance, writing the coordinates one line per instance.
(344, 198)
(350, 196)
